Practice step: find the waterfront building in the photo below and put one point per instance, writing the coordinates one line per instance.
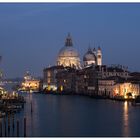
(105, 86)
(95, 79)
(116, 86)
(66, 80)
(80, 82)
(29, 83)
(90, 80)
(49, 80)
(112, 76)
(127, 90)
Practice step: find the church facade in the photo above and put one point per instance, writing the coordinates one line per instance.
(68, 57)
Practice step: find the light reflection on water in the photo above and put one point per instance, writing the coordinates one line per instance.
(126, 119)
(79, 116)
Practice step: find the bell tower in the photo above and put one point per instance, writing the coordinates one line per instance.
(99, 56)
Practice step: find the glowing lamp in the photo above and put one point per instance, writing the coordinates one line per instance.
(116, 91)
(125, 97)
(61, 88)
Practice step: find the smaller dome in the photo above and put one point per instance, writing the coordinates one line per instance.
(89, 56)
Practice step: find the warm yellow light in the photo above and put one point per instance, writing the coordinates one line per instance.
(61, 88)
(49, 88)
(125, 97)
(116, 91)
(133, 96)
(30, 85)
(13, 93)
(31, 91)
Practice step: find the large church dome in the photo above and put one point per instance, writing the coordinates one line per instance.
(68, 55)
(68, 52)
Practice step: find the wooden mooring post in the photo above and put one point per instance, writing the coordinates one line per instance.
(5, 126)
(13, 124)
(9, 124)
(25, 127)
(17, 128)
(0, 129)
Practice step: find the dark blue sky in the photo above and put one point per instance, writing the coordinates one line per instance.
(32, 34)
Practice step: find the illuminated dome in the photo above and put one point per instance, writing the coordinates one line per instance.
(90, 57)
(68, 55)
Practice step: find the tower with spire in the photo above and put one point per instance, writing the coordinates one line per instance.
(99, 56)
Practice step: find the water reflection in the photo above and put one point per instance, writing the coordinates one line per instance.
(28, 113)
(34, 114)
(78, 116)
(126, 131)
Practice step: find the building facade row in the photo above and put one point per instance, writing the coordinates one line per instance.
(92, 81)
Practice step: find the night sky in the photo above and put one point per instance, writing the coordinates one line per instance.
(31, 35)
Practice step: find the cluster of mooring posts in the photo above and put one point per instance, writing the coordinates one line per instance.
(9, 106)
(9, 127)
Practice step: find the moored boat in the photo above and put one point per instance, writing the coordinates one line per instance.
(136, 101)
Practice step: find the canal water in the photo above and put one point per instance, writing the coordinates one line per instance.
(78, 116)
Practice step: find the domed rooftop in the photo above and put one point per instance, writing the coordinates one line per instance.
(89, 56)
(68, 52)
(68, 55)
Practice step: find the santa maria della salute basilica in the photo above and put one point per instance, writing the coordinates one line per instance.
(88, 76)
(68, 56)
(68, 59)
